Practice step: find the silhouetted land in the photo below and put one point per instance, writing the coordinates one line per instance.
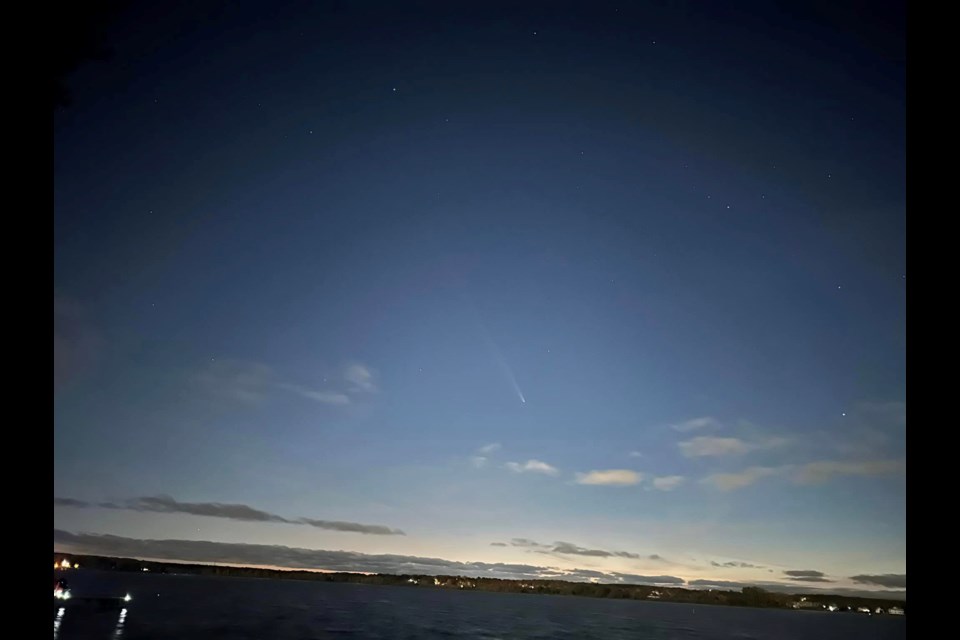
(746, 597)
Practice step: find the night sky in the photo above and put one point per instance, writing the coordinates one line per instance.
(599, 290)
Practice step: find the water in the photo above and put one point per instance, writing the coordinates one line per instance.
(209, 608)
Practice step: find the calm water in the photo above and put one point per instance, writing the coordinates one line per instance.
(193, 607)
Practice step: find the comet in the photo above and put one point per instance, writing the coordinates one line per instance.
(497, 354)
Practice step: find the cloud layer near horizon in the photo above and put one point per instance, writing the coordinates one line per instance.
(166, 504)
(205, 551)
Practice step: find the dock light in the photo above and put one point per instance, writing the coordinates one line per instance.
(127, 598)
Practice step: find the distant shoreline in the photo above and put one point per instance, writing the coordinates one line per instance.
(747, 597)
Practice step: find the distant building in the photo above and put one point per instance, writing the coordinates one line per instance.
(895, 611)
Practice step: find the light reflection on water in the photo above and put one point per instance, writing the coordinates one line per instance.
(118, 630)
(209, 608)
(56, 623)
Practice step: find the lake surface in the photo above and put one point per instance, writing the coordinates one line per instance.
(208, 608)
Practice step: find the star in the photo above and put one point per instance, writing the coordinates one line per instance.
(843, 414)
(728, 206)
(394, 88)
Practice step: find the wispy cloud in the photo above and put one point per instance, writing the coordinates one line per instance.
(352, 527)
(889, 580)
(731, 481)
(703, 446)
(300, 558)
(884, 412)
(526, 542)
(568, 548)
(236, 380)
(720, 584)
(76, 345)
(668, 483)
(635, 454)
(610, 477)
(533, 466)
(695, 424)
(242, 512)
(806, 575)
(360, 377)
(69, 502)
(817, 472)
(323, 396)
(825, 470)
(482, 456)
(498, 544)
(251, 382)
(735, 564)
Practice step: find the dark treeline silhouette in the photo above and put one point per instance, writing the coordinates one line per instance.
(746, 597)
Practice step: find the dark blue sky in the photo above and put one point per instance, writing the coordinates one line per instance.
(631, 277)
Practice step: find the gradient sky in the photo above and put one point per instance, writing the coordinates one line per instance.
(617, 287)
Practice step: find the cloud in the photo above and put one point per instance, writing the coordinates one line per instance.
(482, 457)
(731, 481)
(824, 470)
(322, 396)
(655, 556)
(166, 504)
(610, 477)
(740, 565)
(237, 380)
(817, 472)
(631, 578)
(635, 454)
(353, 527)
(702, 446)
(498, 544)
(721, 584)
(806, 575)
(889, 580)
(69, 502)
(667, 483)
(885, 412)
(568, 548)
(360, 377)
(76, 346)
(299, 558)
(525, 542)
(695, 424)
(533, 466)
(241, 512)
